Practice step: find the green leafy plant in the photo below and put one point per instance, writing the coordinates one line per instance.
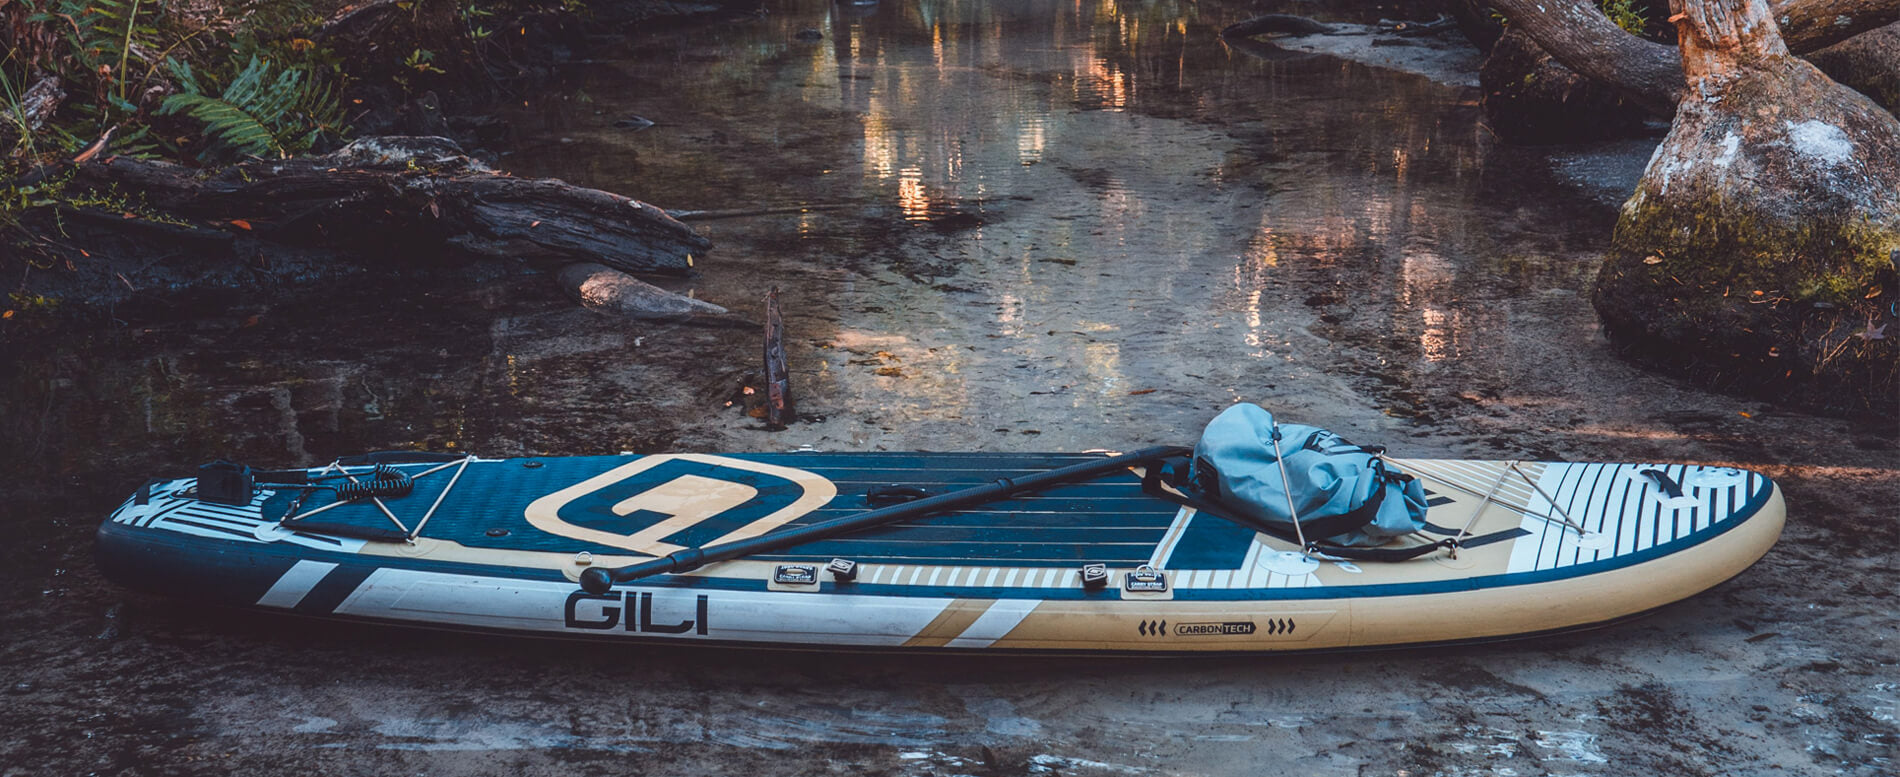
(263, 111)
(422, 61)
(104, 39)
(1625, 14)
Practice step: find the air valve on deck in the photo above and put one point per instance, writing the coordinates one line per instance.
(1094, 577)
(843, 570)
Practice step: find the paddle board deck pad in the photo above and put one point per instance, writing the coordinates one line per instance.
(499, 545)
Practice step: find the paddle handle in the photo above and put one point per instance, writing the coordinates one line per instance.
(597, 580)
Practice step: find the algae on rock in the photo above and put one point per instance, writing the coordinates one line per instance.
(1758, 251)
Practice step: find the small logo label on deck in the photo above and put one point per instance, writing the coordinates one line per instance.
(1145, 579)
(795, 574)
(1223, 629)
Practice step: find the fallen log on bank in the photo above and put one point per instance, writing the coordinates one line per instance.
(377, 203)
(1577, 34)
(25, 117)
(413, 191)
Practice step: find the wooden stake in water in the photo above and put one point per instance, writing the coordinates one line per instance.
(778, 381)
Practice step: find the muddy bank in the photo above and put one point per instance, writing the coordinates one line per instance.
(1042, 229)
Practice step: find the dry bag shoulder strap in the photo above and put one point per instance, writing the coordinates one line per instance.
(1167, 479)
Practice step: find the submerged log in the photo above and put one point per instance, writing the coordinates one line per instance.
(604, 289)
(1758, 252)
(1275, 23)
(380, 195)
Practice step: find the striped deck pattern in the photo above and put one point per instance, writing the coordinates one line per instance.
(505, 545)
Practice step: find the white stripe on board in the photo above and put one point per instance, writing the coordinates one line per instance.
(1251, 563)
(296, 583)
(994, 623)
(538, 605)
(1525, 551)
(1164, 550)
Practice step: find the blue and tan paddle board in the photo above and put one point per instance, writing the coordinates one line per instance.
(499, 544)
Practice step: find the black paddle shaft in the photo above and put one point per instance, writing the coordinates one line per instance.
(597, 580)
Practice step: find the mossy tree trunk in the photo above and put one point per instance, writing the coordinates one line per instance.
(1758, 251)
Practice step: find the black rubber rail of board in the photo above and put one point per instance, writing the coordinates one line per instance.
(598, 579)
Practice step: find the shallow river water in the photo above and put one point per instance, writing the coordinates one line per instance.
(997, 224)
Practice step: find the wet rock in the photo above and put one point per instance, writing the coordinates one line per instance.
(425, 117)
(436, 154)
(1275, 23)
(809, 34)
(1440, 59)
(1414, 28)
(632, 122)
(604, 289)
(1530, 98)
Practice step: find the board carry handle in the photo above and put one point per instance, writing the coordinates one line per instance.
(598, 580)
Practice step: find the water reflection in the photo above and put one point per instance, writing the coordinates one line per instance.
(1049, 207)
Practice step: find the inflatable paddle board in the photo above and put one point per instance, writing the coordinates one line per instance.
(1095, 563)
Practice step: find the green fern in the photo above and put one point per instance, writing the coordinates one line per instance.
(102, 32)
(264, 111)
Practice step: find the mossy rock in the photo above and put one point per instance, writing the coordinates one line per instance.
(1759, 252)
